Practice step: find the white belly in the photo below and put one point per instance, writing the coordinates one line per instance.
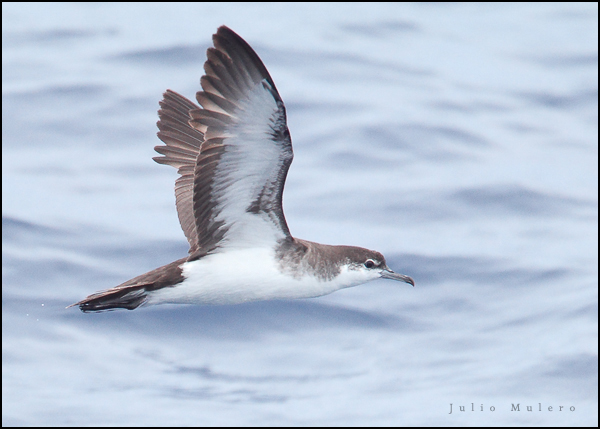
(243, 275)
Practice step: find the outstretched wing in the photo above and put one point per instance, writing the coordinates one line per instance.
(233, 154)
(181, 151)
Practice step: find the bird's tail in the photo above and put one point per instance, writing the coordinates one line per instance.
(134, 293)
(129, 297)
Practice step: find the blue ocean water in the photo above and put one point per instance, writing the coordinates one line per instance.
(459, 140)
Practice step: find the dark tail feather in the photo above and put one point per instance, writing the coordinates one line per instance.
(134, 293)
(130, 297)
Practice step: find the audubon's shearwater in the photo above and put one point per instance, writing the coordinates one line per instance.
(233, 156)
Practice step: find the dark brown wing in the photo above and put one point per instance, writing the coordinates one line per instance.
(244, 155)
(181, 151)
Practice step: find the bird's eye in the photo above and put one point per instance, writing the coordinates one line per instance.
(370, 263)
